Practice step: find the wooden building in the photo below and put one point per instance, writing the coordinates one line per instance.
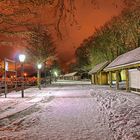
(126, 68)
(98, 75)
(72, 76)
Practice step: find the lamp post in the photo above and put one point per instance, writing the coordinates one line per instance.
(45, 69)
(56, 74)
(22, 59)
(50, 77)
(39, 66)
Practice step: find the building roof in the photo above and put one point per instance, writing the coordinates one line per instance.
(126, 59)
(98, 67)
(70, 74)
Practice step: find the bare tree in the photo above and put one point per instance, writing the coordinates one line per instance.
(41, 45)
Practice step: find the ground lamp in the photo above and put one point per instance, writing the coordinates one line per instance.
(39, 66)
(22, 59)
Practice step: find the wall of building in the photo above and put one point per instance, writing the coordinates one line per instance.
(123, 75)
(104, 78)
(134, 79)
(100, 79)
(92, 79)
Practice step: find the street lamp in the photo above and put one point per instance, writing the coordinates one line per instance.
(56, 75)
(39, 66)
(22, 59)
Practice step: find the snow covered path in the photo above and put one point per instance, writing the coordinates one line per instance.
(77, 112)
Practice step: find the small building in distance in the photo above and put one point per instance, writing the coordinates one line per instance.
(127, 69)
(72, 76)
(61, 77)
(98, 75)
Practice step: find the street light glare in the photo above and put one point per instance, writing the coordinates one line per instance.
(55, 73)
(39, 66)
(22, 58)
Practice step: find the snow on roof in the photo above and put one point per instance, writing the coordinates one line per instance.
(126, 59)
(98, 67)
(70, 74)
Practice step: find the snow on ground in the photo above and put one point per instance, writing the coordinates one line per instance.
(123, 112)
(72, 82)
(72, 112)
(14, 103)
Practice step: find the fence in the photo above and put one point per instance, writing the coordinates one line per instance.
(15, 84)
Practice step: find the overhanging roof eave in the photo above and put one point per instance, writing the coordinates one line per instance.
(129, 65)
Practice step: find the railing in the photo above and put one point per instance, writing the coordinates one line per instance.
(15, 86)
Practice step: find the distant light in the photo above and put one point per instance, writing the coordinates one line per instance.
(39, 66)
(25, 74)
(22, 58)
(55, 73)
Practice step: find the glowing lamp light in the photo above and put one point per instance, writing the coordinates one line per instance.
(22, 58)
(39, 66)
(25, 74)
(55, 73)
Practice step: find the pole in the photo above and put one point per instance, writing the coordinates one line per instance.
(38, 79)
(117, 79)
(5, 83)
(50, 77)
(15, 76)
(100, 78)
(127, 80)
(22, 84)
(110, 79)
(45, 77)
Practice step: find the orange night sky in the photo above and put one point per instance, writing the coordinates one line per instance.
(88, 17)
